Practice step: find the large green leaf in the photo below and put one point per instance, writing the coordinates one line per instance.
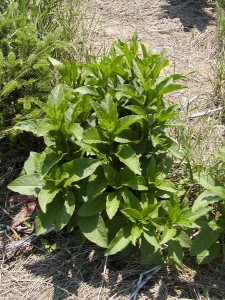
(138, 110)
(57, 103)
(126, 177)
(39, 127)
(132, 214)
(138, 183)
(208, 197)
(150, 211)
(168, 234)
(47, 194)
(205, 180)
(76, 130)
(87, 90)
(130, 199)
(151, 238)
(10, 86)
(97, 183)
(125, 122)
(110, 174)
(206, 238)
(58, 213)
(152, 170)
(184, 239)
(94, 136)
(136, 232)
(106, 113)
(206, 256)
(122, 240)
(78, 169)
(94, 229)
(166, 185)
(48, 159)
(149, 253)
(129, 91)
(27, 184)
(30, 163)
(176, 253)
(138, 69)
(194, 215)
(112, 204)
(66, 211)
(93, 206)
(128, 156)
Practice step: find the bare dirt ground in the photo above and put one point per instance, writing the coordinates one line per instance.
(187, 30)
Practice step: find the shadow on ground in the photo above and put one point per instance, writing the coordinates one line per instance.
(77, 273)
(191, 13)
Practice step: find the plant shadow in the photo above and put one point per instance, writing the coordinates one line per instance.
(191, 13)
(77, 272)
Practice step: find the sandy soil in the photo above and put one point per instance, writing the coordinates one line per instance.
(187, 30)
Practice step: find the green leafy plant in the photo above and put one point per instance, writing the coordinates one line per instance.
(108, 157)
(220, 67)
(210, 242)
(25, 72)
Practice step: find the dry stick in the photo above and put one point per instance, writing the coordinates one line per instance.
(103, 278)
(15, 246)
(200, 114)
(120, 292)
(88, 41)
(6, 212)
(190, 102)
(141, 283)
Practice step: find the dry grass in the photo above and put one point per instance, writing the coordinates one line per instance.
(187, 30)
(75, 272)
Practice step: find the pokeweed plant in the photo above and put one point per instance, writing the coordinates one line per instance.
(108, 156)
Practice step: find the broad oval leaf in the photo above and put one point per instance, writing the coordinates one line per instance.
(130, 199)
(47, 194)
(48, 159)
(27, 184)
(58, 214)
(125, 122)
(94, 136)
(166, 185)
(112, 204)
(122, 240)
(93, 228)
(136, 232)
(87, 90)
(206, 238)
(66, 211)
(30, 165)
(97, 183)
(79, 168)
(168, 234)
(208, 197)
(93, 206)
(128, 156)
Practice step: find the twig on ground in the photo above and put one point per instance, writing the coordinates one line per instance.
(5, 212)
(103, 279)
(187, 105)
(141, 283)
(15, 246)
(210, 111)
